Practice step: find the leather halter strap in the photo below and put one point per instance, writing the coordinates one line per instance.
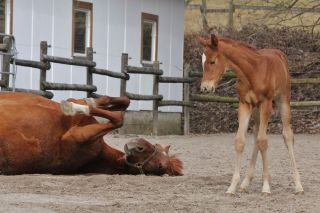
(140, 165)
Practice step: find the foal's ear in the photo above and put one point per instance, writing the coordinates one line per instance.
(214, 41)
(204, 42)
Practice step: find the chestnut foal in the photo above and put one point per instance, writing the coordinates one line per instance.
(263, 78)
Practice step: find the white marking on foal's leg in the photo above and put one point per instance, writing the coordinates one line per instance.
(69, 108)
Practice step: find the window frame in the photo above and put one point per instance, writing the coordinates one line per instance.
(84, 6)
(154, 19)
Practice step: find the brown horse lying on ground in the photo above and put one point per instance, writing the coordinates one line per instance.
(38, 135)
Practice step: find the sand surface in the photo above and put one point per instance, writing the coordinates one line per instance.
(208, 161)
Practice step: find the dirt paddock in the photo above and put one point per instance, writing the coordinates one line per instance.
(208, 170)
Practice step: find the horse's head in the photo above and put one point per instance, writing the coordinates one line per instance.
(213, 63)
(151, 159)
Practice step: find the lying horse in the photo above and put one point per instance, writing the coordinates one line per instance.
(264, 79)
(38, 135)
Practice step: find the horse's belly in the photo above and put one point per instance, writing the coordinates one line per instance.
(23, 155)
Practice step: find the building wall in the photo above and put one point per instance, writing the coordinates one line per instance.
(116, 29)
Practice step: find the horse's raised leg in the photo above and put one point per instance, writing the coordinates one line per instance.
(74, 106)
(91, 132)
(244, 114)
(289, 140)
(249, 175)
(262, 142)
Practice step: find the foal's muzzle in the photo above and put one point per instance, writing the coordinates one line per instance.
(207, 87)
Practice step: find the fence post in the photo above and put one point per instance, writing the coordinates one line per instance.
(6, 64)
(124, 70)
(186, 98)
(89, 73)
(155, 104)
(43, 72)
(203, 11)
(230, 14)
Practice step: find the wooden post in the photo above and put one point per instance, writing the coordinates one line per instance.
(203, 11)
(124, 70)
(155, 106)
(230, 17)
(43, 72)
(89, 73)
(6, 64)
(186, 98)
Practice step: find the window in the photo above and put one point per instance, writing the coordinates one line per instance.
(82, 27)
(149, 38)
(6, 16)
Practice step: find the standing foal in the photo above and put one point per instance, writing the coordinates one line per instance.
(263, 78)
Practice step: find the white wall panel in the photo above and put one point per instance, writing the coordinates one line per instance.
(22, 29)
(100, 35)
(61, 44)
(116, 29)
(176, 64)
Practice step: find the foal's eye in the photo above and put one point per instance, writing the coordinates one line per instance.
(212, 62)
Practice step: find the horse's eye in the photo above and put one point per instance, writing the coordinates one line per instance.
(140, 149)
(212, 62)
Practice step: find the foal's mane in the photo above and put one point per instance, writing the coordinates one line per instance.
(238, 44)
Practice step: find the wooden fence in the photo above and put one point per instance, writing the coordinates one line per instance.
(45, 64)
(126, 70)
(232, 7)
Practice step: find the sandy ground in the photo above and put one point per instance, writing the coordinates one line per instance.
(208, 170)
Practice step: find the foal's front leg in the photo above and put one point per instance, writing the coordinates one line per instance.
(244, 114)
(249, 175)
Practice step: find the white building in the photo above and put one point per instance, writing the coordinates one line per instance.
(147, 30)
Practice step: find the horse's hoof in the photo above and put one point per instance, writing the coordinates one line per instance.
(67, 108)
(266, 194)
(299, 192)
(230, 194)
(243, 190)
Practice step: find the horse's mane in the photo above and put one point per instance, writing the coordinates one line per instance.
(175, 166)
(238, 43)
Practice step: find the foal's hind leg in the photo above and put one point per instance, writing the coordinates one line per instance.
(262, 142)
(249, 176)
(289, 140)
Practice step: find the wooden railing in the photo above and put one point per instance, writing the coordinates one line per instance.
(124, 75)
(232, 7)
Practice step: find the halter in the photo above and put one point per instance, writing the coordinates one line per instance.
(140, 165)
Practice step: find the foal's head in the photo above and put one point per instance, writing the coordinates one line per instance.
(213, 63)
(151, 159)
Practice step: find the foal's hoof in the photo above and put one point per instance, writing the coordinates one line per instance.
(266, 194)
(230, 194)
(243, 190)
(67, 108)
(299, 192)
